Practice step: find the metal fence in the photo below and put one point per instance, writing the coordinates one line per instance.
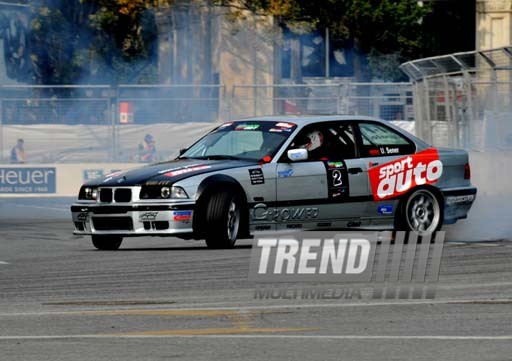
(464, 99)
(24, 104)
(107, 123)
(389, 101)
(106, 104)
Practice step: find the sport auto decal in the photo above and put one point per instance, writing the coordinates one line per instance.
(394, 178)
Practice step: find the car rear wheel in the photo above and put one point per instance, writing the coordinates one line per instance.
(421, 212)
(223, 214)
(107, 243)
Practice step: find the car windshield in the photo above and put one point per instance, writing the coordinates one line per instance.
(246, 140)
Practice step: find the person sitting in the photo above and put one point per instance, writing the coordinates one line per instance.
(147, 150)
(315, 145)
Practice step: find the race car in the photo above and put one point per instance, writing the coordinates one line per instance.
(282, 173)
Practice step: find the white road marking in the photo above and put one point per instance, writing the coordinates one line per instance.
(2, 262)
(93, 311)
(273, 336)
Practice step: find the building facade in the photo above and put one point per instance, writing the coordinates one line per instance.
(493, 24)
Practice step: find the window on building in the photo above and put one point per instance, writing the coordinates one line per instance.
(312, 54)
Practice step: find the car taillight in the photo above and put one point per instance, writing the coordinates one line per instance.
(467, 171)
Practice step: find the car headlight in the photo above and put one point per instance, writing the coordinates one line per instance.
(89, 193)
(165, 192)
(173, 193)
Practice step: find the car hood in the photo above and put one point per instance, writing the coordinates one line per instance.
(167, 172)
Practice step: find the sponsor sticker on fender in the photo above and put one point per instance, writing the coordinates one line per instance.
(394, 178)
(186, 170)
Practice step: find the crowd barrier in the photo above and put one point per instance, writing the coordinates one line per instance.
(52, 180)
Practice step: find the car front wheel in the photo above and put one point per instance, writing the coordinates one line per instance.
(107, 243)
(223, 214)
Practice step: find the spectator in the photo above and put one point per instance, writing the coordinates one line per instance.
(18, 152)
(147, 150)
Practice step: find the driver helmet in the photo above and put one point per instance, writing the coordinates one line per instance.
(315, 140)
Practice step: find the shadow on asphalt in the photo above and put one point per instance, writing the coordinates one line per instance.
(187, 248)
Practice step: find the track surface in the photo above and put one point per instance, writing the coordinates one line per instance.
(160, 299)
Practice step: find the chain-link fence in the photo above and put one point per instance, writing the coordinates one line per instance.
(464, 99)
(109, 123)
(389, 101)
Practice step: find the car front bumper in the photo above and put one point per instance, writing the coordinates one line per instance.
(142, 219)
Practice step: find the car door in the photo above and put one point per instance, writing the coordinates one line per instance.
(379, 144)
(298, 182)
(332, 180)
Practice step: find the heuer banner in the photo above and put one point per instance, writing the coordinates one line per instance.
(394, 178)
(27, 180)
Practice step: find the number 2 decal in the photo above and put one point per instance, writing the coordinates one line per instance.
(337, 178)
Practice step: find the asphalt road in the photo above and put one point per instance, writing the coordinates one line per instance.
(160, 299)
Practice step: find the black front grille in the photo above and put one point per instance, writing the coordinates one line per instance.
(112, 223)
(161, 225)
(106, 195)
(150, 192)
(123, 195)
(156, 225)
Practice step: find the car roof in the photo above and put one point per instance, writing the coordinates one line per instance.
(307, 119)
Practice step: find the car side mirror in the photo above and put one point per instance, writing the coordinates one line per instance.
(296, 155)
(183, 150)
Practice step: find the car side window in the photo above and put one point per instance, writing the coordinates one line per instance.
(342, 141)
(379, 140)
(326, 141)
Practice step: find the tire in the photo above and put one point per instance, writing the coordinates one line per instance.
(107, 243)
(223, 218)
(421, 211)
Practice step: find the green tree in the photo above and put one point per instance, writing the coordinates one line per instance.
(93, 41)
(384, 32)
